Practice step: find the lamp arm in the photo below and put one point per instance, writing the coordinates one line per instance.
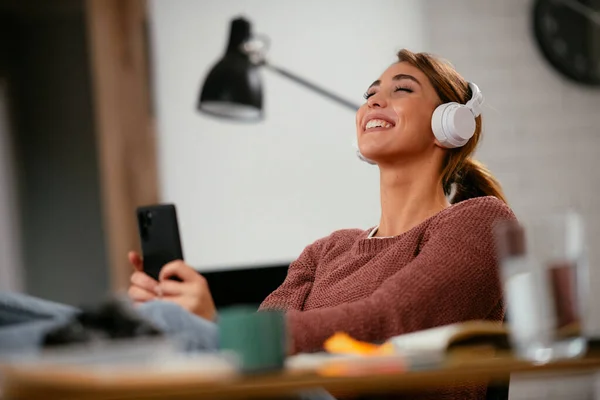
(311, 86)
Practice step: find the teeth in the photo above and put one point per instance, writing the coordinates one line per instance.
(378, 123)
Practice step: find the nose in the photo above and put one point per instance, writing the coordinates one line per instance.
(377, 100)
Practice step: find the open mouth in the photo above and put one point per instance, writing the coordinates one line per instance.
(377, 124)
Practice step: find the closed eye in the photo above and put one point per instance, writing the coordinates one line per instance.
(403, 89)
(396, 89)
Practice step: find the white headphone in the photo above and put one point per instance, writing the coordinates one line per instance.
(453, 124)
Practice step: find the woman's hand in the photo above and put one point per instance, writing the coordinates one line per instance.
(192, 293)
(143, 287)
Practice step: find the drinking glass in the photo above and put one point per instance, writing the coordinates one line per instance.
(544, 273)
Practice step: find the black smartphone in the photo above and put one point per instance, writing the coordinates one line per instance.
(159, 236)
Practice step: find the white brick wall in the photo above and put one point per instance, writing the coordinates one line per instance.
(542, 133)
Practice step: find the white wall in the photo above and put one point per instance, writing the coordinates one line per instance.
(542, 133)
(254, 194)
(260, 193)
(10, 257)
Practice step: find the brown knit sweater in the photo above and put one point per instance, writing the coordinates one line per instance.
(439, 272)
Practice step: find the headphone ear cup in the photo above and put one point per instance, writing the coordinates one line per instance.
(453, 124)
(437, 124)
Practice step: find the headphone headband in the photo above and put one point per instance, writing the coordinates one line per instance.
(476, 100)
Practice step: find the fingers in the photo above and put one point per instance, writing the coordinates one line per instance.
(139, 295)
(135, 260)
(143, 281)
(169, 287)
(180, 270)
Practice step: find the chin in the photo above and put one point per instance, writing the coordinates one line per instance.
(375, 151)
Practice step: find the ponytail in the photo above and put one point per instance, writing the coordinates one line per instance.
(472, 180)
(460, 174)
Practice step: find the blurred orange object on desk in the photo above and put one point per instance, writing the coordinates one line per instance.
(342, 343)
(365, 358)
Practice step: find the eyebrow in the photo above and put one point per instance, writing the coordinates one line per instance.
(397, 78)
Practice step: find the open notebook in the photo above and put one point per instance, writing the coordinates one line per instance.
(435, 340)
(446, 338)
(423, 349)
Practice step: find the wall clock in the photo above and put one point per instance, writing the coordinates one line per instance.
(568, 34)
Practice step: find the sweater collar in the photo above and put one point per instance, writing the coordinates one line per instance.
(368, 243)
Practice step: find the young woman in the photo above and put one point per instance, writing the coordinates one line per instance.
(428, 262)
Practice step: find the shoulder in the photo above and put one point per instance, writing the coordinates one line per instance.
(471, 222)
(486, 209)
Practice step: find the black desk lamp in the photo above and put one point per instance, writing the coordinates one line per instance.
(233, 87)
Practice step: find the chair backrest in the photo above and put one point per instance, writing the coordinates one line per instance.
(497, 392)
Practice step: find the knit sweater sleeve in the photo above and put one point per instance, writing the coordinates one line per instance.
(291, 294)
(454, 278)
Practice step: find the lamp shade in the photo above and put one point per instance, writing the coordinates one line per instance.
(233, 87)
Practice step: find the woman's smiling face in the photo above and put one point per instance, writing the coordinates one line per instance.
(395, 121)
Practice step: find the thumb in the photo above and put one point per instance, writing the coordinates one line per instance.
(179, 270)
(135, 260)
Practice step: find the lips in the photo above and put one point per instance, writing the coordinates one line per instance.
(378, 121)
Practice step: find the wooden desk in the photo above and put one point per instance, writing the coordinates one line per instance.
(70, 383)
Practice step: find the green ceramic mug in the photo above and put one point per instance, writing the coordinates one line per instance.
(258, 340)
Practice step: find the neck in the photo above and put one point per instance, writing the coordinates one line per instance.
(409, 195)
